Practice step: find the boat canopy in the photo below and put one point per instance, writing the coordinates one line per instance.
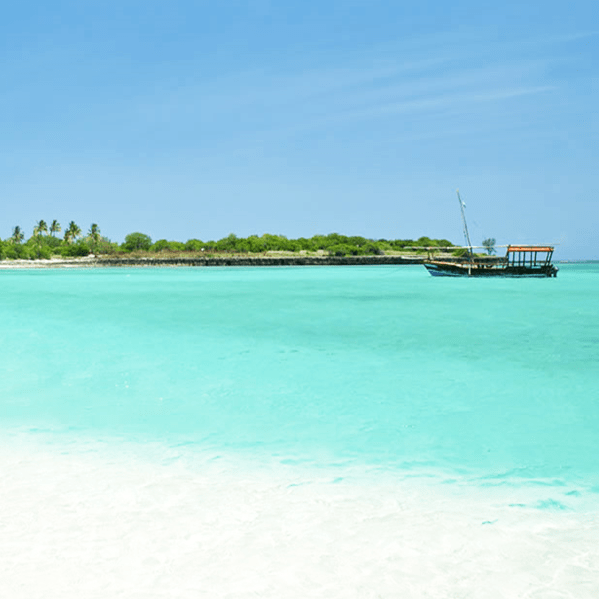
(529, 248)
(528, 255)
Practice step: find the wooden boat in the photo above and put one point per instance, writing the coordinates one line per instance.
(519, 261)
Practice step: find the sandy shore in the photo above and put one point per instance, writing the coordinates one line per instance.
(87, 521)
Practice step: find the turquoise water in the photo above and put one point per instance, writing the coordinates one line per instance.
(348, 432)
(382, 367)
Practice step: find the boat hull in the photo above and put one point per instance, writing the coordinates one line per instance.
(465, 270)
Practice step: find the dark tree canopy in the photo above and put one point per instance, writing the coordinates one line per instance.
(137, 241)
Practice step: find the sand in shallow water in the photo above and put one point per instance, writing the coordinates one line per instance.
(98, 524)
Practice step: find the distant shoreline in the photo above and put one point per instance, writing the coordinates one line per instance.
(239, 261)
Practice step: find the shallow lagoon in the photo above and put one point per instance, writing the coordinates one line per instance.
(349, 431)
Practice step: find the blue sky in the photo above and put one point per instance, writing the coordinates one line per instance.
(196, 119)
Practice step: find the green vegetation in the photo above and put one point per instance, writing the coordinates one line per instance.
(44, 243)
(55, 228)
(460, 252)
(17, 235)
(137, 241)
(71, 234)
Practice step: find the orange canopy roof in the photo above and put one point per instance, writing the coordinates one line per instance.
(529, 248)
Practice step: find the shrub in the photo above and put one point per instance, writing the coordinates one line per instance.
(76, 250)
(105, 246)
(159, 246)
(374, 249)
(305, 244)
(16, 251)
(162, 245)
(425, 242)
(193, 245)
(255, 245)
(459, 252)
(227, 244)
(40, 252)
(137, 241)
(342, 249)
(52, 242)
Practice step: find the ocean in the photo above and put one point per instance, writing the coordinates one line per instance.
(363, 432)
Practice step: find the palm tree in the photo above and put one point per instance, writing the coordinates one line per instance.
(55, 227)
(72, 232)
(40, 228)
(489, 245)
(94, 233)
(17, 235)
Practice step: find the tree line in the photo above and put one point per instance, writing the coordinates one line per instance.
(45, 243)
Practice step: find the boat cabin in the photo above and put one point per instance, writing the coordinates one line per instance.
(529, 256)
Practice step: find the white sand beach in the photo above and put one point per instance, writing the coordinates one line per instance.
(87, 522)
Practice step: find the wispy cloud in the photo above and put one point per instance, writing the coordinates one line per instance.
(377, 85)
(568, 37)
(445, 102)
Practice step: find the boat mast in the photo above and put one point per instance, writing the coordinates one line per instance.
(466, 235)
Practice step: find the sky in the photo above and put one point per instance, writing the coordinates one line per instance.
(196, 119)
